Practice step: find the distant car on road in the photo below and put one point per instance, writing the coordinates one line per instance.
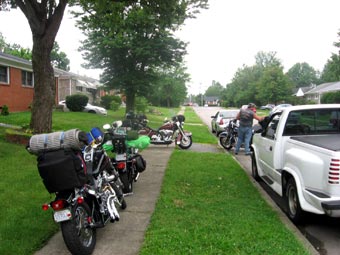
(89, 108)
(221, 119)
(267, 107)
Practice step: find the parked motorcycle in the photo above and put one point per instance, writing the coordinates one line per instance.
(171, 131)
(125, 144)
(85, 184)
(229, 137)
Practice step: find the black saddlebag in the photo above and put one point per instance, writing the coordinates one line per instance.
(62, 170)
(140, 163)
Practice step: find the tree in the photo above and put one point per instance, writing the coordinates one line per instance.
(331, 71)
(214, 90)
(59, 58)
(132, 40)
(302, 74)
(44, 18)
(273, 86)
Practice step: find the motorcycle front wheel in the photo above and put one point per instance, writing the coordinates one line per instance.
(77, 234)
(185, 142)
(227, 142)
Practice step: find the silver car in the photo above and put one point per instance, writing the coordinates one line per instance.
(88, 108)
(221, 119)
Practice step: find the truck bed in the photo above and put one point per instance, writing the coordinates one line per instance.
(330, 142)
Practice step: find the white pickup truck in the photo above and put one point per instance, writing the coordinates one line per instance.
(297, 153)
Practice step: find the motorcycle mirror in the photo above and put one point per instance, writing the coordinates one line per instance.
(117, 124)
(107, 126)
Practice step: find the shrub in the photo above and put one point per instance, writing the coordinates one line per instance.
(331, 98)
(111, 102)
(76, 103)
(4, 110)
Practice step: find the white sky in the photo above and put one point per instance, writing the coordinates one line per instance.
(224, 37)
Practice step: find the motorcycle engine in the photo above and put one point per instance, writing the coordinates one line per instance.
(166, 134)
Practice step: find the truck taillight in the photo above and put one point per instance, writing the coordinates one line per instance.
(334, 171)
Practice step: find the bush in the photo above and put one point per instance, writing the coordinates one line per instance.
(4, 110)
(111, 102)
(76, 103)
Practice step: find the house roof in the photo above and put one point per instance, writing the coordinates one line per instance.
(325, 87)
(212, 98)
(17, 62)
(13, 61)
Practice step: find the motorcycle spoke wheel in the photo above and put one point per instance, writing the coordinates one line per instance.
(77, 234)
(185, 142)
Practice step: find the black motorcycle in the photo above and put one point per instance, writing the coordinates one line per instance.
(229, 137)
(125, 144)
(86, 187)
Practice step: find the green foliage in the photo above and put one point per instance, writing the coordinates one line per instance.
(214, 90)
(331, 71)
(134, 40)
(77, 102)
(331, 98)
(4, 110)
(110, 102)
(302, 75)
(59, 58)
(141, 104)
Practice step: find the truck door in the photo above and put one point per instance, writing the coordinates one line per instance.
(267, 146)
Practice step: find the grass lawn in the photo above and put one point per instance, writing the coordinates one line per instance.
(207, 206)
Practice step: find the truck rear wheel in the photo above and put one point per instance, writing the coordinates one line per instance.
(294, 211)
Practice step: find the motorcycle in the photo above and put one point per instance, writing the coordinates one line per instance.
(171, 131)
(125, 145)
(229, 137)
(87, 192)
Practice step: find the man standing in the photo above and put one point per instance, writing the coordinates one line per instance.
(245, 117)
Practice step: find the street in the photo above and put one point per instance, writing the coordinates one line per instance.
(321, 231)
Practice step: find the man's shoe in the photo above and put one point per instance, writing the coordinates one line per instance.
(248, 153)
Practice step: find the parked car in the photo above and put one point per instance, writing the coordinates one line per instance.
(221, 119)
(278, 108)
(89, 108)
(267, 107)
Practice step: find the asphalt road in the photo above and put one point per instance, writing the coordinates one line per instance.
(321, 231)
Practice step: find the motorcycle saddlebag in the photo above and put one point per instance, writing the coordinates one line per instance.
(62, 170)
(140, 163)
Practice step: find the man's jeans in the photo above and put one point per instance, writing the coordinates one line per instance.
(244, 136)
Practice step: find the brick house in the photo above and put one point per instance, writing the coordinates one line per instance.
(17, 84)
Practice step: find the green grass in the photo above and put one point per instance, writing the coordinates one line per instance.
(206, 206)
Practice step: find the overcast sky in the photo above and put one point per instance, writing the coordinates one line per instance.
(225, 37)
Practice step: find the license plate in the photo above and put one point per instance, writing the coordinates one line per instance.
(62, 215)
(120, 157)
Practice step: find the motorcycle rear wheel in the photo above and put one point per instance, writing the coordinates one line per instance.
(185, 142)
(78, 236)
(127, 182)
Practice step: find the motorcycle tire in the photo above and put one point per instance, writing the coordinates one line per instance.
(79, 238)
(227, 142)
(185, 142)
(127, 182)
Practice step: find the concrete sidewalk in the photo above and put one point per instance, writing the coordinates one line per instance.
(126, 236)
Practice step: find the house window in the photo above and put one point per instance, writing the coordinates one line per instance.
(27, 78)
(79, 88)
(4, 76)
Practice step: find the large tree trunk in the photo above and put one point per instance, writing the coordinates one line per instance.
(44, 87)
(44, 18)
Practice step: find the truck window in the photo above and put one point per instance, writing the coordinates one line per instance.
(272, 127)
(312, 121)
